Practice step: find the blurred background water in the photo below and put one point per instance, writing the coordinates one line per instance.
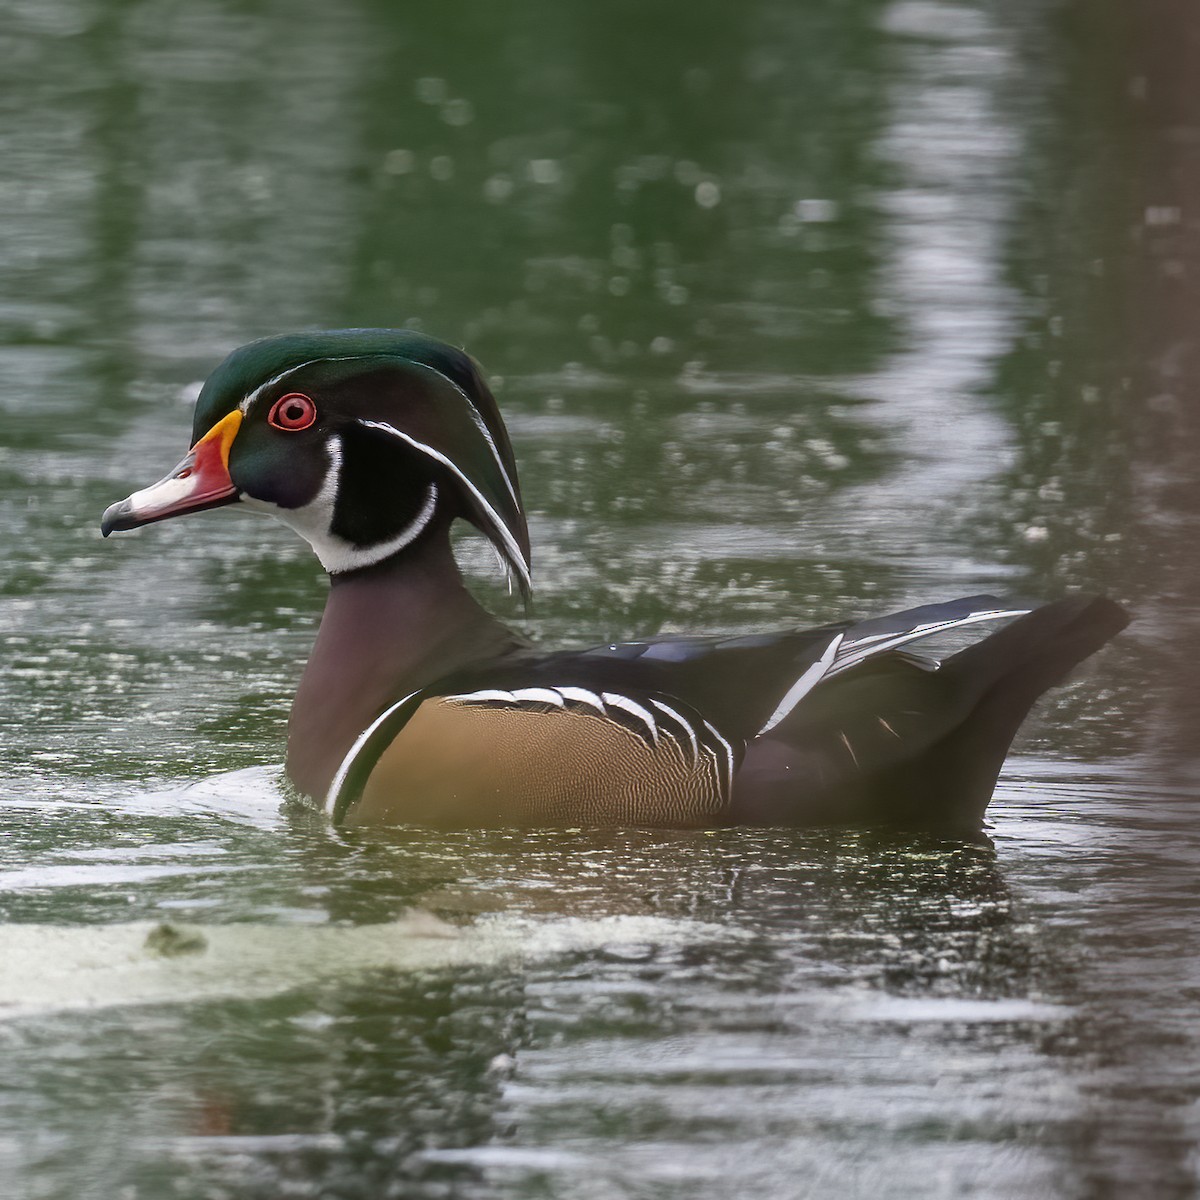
(796, 311)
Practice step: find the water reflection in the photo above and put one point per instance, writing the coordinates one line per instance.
(847, 1001)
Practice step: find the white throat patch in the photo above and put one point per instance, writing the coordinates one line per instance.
(313, 522)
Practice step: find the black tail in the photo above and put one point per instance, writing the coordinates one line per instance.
(892, 742)
(1006, 673)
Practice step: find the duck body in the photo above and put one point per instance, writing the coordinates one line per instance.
(833, 725)
(418, 706)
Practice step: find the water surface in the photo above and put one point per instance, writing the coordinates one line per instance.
(795, 312)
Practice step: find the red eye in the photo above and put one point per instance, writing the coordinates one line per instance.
(291, 412)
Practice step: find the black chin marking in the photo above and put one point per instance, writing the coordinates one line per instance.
(352, 560)
(384, 487)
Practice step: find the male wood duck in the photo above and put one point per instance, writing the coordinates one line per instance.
(418, 706)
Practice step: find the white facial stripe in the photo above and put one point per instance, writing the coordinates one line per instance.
(476, 415)
(314, 522)
(481, 425)
(249, 400)
(381, 550)
(515, 561)
(516, 558)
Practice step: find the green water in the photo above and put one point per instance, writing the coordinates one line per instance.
(796, 311)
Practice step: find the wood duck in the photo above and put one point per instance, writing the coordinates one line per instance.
(418, 706)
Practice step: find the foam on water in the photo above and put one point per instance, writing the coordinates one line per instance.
(951, 1010)
(251, 796)
(50, 968)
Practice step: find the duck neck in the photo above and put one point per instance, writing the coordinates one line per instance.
(386, 632)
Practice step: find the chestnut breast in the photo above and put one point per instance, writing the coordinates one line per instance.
(462, 763)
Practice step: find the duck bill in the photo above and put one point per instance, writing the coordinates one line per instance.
(200, 481)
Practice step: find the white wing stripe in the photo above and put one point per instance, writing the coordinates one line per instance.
(532, 695)
(803, 685)
(841, 655)
(340, 778)
(539, 695)
(578, 695)
(683, 724)
(614, 700)
(728, 757)
(864, 648)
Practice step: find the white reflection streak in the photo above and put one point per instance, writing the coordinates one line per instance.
(955, 157)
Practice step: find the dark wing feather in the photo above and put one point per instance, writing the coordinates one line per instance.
(890, 740)
(736, 682)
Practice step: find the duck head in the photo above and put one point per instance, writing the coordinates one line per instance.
(362, 440)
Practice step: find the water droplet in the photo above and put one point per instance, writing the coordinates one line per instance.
(545, 171)
(497, 189)
(431, 90)
(816, 211)
(458, 112)
(398, 162)
(1163, 214)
